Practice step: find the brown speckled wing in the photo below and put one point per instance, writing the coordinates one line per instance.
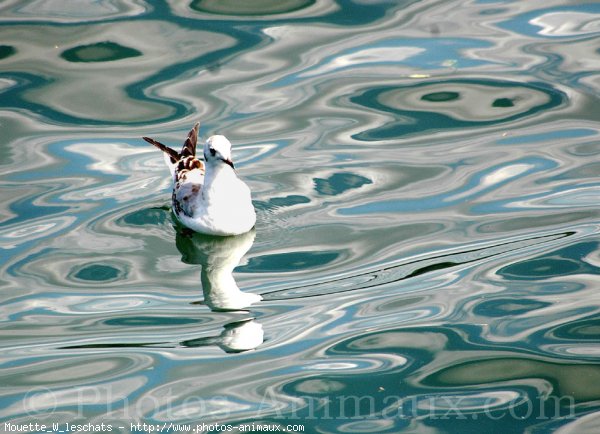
(184, 193)
(173, 155)
(185, 165)
(189, 147)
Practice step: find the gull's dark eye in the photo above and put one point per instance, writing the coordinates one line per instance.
(212, 152)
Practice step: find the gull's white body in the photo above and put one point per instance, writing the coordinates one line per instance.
(208, 196)
(223, 206)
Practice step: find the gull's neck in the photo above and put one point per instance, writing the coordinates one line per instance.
(216, 179)
(218, 169)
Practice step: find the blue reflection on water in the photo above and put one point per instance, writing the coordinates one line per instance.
(488, 180)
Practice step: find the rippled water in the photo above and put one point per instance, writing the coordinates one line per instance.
(426, 177)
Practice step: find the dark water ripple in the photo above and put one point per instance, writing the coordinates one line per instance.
(454, 104)
(426, 183)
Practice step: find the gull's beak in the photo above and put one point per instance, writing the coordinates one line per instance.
(228, 162)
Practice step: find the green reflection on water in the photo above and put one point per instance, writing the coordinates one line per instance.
(435, 105)
(98, 273)
(502, 307)
(99, 52)
(581, 381)
(585, 329)
(503, 102)
(7, 51)
(563, 262)
(292, 261)
(441, 96)
(338, 183)
(253, 8)
(146, 216)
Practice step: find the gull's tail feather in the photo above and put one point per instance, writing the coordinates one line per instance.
(189, 147)
(174, 156)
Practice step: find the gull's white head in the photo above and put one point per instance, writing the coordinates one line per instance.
(217, 149)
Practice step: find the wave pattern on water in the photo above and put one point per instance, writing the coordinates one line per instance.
(426, 186)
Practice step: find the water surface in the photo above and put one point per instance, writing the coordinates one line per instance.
(426, 181)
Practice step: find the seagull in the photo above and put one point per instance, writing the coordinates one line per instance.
(208, 197)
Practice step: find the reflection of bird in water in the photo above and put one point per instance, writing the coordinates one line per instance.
(208, 196)
(236, 337)
(218, 256)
